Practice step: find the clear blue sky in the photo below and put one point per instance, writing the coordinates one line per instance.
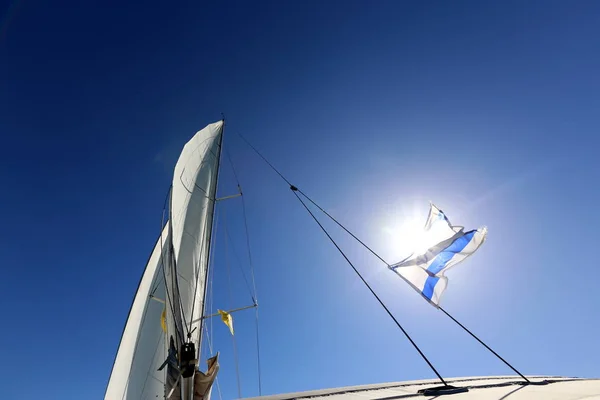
(374, 108)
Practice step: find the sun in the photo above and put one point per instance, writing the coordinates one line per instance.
(407, 238)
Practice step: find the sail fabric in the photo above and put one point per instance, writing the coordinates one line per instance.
(193, 195)
(191, 214)
(142, 349)
(203, 381)
(446, 246)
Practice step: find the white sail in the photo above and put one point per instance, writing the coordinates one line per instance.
(142, 349)
(191, 214)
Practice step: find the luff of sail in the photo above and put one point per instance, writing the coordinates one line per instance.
(142, 348)
(191, 213)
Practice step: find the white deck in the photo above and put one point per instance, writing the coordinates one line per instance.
(484, 388)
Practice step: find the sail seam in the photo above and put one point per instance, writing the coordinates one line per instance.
(149, 368)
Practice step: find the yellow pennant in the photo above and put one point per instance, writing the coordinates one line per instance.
(163, 323)
(227, 319)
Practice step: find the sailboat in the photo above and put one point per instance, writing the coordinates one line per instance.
(158, 352)
(158, 355)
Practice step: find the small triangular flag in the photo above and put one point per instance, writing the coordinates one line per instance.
(227, 319)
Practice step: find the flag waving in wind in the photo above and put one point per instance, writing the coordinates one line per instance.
(446, 245)
(227, 319)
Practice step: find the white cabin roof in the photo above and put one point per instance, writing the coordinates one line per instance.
(480, 388)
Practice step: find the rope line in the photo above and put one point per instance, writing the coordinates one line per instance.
(370, 250)
(254, 293)
(344, 228)
(440, 307)
(485, 345)
(235, 175)
(233, 338)
(370, 289)
(265, 160)
(239, 264)
(255, 297)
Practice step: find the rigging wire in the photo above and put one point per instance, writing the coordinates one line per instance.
(369, 287)
(210, 301)
(439, 307)
(294, 188)
(265, 160)
(239, 265)
(258, 351)
(255, 298)
(252, 275)
(235, 175)
(233, 338)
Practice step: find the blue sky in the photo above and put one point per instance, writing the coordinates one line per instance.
(489, 109)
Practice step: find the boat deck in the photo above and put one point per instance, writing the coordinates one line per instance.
(484, 388)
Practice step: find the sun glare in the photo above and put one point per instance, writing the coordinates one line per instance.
(407, 238)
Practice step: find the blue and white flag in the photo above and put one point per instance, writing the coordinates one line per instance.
(446, 245)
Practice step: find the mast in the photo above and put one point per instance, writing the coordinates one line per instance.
(192, 207)
(210, 235)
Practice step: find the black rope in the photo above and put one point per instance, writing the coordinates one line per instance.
(372, 252)
(441, 309)
(485, 345)
(369, 287)
(267, 161)
(344, 228)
